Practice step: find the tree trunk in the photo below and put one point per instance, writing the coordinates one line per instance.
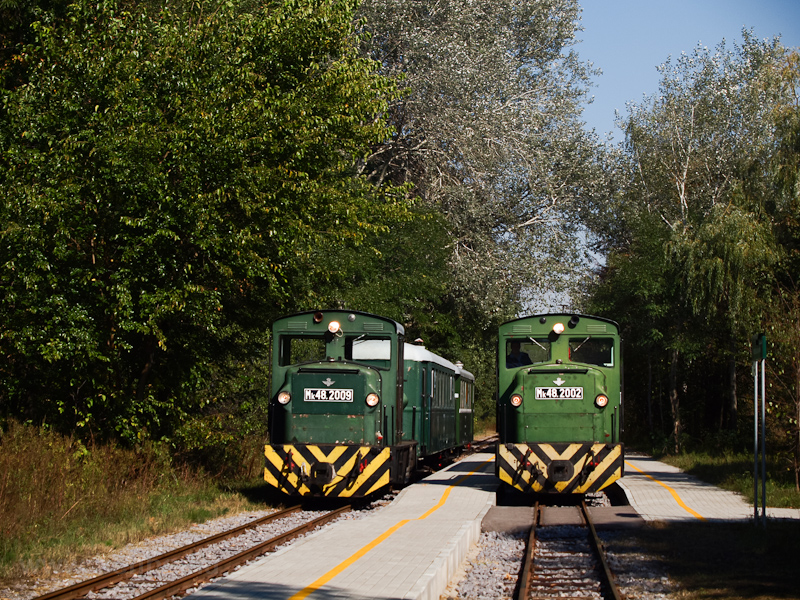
(674, 400)
(149, 358)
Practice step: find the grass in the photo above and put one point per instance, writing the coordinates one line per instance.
(61, 501)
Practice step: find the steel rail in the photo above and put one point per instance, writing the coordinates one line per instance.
(523, 583)
(483, 444)
(600, 550)
(220, 568)
(608, 583)
(82, 588)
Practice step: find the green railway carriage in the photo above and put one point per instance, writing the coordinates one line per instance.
(438, 398)
(354, 407)
(559, 405)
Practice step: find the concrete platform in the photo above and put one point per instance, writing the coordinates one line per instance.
(408, 550)
(513, 520)
(518, 520)
(660, 492)
(616, 517)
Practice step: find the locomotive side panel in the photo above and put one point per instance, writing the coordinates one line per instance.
(415, 404)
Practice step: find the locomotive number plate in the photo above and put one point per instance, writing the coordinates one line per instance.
(558, 393)
(327, 395)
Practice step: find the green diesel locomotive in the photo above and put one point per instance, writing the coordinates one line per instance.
(354, 407)
(559, 405)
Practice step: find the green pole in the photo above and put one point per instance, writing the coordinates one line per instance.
(759, 355)
(755, 441)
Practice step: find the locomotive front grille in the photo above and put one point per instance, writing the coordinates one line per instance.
(327, 470)
(559, 468)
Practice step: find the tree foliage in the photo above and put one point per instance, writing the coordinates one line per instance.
(702, 212)
(165, 176)
(489, 134)
(782, 317)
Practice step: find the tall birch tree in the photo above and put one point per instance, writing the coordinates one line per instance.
(700, 152)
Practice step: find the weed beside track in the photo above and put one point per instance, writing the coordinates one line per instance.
(61, 501)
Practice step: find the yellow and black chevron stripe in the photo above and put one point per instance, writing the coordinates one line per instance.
(559, 468)
(333, 470)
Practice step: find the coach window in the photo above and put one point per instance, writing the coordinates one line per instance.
(592, 351)
(301, 349)
(442, 388)
(466, 395)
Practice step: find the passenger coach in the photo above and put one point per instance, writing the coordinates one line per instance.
(354, 407)
(559, 408)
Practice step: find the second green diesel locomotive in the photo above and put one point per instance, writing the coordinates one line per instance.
(559, 408)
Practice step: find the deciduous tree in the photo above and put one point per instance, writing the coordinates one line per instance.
(164, 176)
(489, 134)
(700, 149)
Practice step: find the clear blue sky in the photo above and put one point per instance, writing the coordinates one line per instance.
(628, 39)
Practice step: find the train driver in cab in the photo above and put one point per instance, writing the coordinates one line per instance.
(517, 358)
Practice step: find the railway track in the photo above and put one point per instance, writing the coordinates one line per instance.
(484, 444)
(163, 585)
(565, 561)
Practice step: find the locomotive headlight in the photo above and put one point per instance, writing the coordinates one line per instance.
(284, 397)
(601, 400)
(334, 326)
(516, 400)
(372, 399)
(558, 328)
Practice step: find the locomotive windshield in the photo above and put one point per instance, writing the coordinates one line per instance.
(377, 352)
(592, 351)
(296, 349)
(526, 351)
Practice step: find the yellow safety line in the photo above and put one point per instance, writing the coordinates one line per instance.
(385, 535)
(671, 491)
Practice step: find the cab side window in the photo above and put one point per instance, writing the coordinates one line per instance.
(301, 349)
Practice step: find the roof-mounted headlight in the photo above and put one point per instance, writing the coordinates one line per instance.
(334, 327)
(558, 328)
